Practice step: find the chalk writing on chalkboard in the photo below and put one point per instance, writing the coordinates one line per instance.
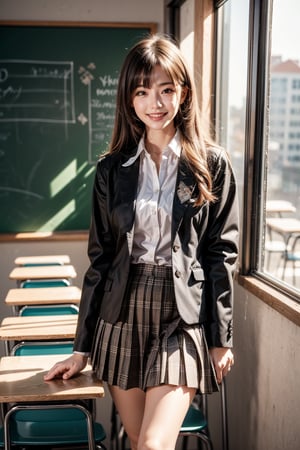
(102, 93)
(36, 91)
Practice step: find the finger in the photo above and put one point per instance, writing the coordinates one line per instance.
(70, 372)
(218, 371)
(55, 371)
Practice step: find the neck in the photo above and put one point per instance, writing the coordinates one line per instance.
(155, 143)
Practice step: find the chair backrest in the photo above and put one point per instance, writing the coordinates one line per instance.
(48, 310)
(45, 283)
(57, 263)
(42, 348)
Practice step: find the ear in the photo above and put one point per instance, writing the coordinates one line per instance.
(183, 94)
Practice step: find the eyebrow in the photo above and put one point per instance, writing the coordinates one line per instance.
(165, 83)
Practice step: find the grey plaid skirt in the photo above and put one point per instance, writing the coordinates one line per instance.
(150, 344)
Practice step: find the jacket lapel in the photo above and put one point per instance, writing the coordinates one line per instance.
(185, 185)
(128, 185)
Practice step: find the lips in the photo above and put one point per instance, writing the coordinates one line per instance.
(157, 116)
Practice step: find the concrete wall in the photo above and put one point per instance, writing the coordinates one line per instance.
(263, 387)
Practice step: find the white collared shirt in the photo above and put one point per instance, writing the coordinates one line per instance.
(153, 217)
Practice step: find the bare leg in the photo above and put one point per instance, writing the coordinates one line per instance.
(164, 412)
(130, 405)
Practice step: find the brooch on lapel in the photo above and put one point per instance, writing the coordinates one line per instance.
(184, 192)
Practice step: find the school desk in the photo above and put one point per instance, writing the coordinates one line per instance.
(21, 381)
(43, 296)
(37, 328)
(42, 273)
(42, 259)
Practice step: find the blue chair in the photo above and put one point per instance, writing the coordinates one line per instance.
(48, 310)
(45, 283)
(51, 424)
(43, 264)
(293, 256)
(195, 423)
(29, 348)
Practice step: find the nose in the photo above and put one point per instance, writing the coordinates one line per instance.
(156, 100)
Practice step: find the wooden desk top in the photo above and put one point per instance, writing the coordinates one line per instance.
(42, 272)
(21, 380)
(19, 328)
(43, 296)
(42, 259)
(284, 225)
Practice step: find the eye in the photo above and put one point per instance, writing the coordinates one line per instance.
(140, 93)
(168, 90)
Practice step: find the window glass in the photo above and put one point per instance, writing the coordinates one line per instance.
(231, 82)
(278, 257)
(282, 230)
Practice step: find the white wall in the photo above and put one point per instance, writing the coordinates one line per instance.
(84, 10)
(264, 385)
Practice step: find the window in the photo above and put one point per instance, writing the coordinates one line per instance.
(258, 120)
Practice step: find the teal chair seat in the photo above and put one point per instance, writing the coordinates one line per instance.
(194, 421)
(195, 424)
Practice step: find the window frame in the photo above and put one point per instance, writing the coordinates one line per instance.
(276, 295)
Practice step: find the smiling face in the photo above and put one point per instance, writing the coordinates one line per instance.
(157, 104)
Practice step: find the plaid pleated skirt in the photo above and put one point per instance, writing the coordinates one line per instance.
(150, 344)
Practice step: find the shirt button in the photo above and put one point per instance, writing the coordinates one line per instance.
(175, 248)
(177, 274)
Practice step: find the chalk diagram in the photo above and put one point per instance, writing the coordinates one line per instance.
(37, 91)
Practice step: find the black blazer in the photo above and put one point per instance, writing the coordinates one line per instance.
(204, 248)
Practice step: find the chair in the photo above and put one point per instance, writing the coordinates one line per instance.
(48, 310)
(57, 263)
(45, 283)
(50, 424)
(291, 255)
(42, 425)
(29, 348)
(194, 424)
(273, 247)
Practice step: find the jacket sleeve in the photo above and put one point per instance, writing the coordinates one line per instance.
(220, 253)
(100, 250)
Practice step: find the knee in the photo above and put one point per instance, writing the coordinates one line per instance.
(151, 444)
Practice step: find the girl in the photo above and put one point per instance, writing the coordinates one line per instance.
(156, 308)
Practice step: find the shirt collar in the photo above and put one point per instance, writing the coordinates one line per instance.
(174, 145)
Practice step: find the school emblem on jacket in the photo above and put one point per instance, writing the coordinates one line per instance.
(184, 192)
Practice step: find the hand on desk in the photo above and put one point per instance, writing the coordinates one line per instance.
(67, 368)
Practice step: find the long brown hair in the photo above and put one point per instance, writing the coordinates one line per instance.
(128, 129)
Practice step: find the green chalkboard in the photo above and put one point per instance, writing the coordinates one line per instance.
(57, 103)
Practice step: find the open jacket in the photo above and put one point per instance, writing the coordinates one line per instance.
(204, 245)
